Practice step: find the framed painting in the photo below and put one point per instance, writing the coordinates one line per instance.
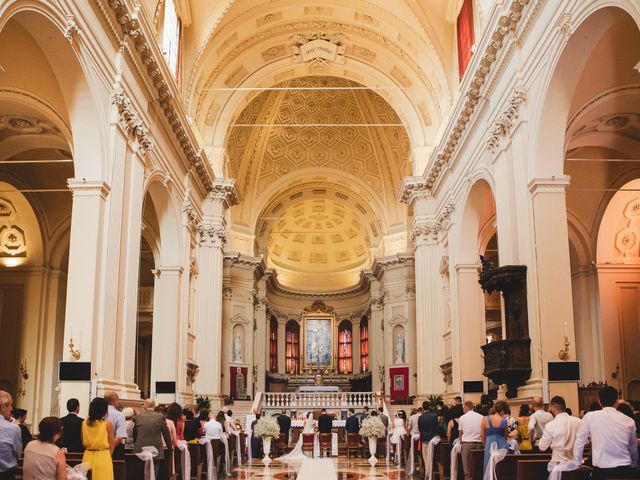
(318, 340)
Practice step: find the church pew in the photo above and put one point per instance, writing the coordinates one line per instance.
(583, 473)
(477, 463)
(507, 468)
(119, 470)
(532, 470)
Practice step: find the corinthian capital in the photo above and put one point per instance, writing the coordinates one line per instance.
(224, 190)
(424, 232)
(211, 235)
(413, 188)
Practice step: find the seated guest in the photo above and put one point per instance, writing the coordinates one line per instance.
(470, 432)
(614, 449)
(20, 416)
(191, 425)
(559, 433)
(494, 430)
(538, 419)
(43, 460)
(10, 439)
(128, 413)
(325, 422)
(352, 424)
(71, 438)
(213, 428)
(98, 438)
(203, 418)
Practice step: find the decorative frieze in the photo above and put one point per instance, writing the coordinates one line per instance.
(130, 121)
(507, 120)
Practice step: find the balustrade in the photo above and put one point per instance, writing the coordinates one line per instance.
(312, 400)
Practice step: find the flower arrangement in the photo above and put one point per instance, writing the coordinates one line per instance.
(372, 427)
(267, 427)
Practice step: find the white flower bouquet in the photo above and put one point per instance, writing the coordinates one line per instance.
(267, 427)
(372, 427)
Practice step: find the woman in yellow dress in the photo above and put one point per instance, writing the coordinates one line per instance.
(523, 429)
(99, 440)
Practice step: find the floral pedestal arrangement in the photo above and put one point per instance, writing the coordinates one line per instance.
(267, 428)
(373, 429)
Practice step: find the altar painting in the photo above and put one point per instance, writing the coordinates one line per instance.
(318, 342)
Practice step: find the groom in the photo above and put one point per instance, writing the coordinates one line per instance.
(284, 421)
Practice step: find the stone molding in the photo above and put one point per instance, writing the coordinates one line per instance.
(71, 30)
(507, 120)
(189, 211)
(224, 190)
(88, 188)
(273, 285)
(131, 122)
(255, 264)
(413, 188)
(549, 185)
(211, 234)
(400, 260)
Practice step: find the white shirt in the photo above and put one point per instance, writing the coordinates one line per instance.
(413, 423)
(213, 429)
(537, 422)
(119, 422)
(560, 435)
(251, 417)
(470, 424)
(613, 439)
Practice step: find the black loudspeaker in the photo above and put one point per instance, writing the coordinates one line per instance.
(563, 371)
(475, 386)
(165, 387)
(74, 372)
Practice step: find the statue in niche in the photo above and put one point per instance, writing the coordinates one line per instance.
(237, 348)
(399, 349)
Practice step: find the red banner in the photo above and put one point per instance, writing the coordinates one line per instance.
(238, 375)
(399, 385)
(465, 36)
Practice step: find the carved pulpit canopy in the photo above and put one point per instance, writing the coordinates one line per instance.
(319, 306)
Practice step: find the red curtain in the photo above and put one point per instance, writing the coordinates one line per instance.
(465, 36)
(399, 386)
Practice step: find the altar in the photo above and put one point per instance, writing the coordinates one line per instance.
(319, 388)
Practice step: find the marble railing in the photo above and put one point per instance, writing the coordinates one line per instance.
(312, 400)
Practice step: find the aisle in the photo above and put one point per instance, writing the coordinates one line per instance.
(318, 469)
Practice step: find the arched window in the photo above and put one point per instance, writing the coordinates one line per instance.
(345, 347)
(364, 344)
(171, 32)
(273, 345)
(293, 347)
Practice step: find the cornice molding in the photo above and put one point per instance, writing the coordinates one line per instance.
(276, 287)
(255, 264)
(81, 187)
(549, 185)
(392, 262)
(413, 188)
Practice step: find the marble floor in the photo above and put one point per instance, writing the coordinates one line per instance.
(339, 468)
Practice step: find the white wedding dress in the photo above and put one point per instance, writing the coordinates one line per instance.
(398, 431)
(297, 453)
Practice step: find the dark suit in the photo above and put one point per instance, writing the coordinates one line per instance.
(285, 426)
(352, 425)
(191, 428)
(148, 430)
(71, 438)
(428, 426)
(325, 423)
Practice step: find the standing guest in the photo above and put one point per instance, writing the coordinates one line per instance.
(191, 426)
(98, 438)
(43, 460)
(284, 421)
(485, 405)
(71, 438)
(537, 421)
(635, 407)
(413, 421)
(118, 420)
(453, 424)
(559, 433)
(365, 414)
(594, 407)
(626, 409)
(470, 431)
(174, 414)
(384, 418)
(256, 442)
(352, 424)
(325, 422)
(458, 401)
(150, 430)
(20, 416)
(494, 430)
(10, 439)
(614, 450)
(428, 428)
(523, 428)
(213, 428)
(128, 413)
(248, 421)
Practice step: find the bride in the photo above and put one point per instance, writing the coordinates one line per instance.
(297, 453)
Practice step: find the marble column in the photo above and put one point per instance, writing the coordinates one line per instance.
(211, 237)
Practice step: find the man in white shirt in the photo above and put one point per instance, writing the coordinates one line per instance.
(413, 422)
(213, 429)
(470, 427)
(614, 450)
(119, 423)
(537, 421)
(559, 433)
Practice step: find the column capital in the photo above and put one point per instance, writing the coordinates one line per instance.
(224, 191)
(425, 231)
(212, 234)
(88, 188)
(549, 185)
(412, 189)
(170, 270)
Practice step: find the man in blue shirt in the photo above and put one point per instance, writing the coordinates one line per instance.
(119, 423)
(10, 439)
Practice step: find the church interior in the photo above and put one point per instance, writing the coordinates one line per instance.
(289, 205)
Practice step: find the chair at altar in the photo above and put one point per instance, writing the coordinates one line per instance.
(354, 444)
(308, 442)
(326, 443)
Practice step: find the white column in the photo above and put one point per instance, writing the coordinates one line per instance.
(84, 280)
(212, 236)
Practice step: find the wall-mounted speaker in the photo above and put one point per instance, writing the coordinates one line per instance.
(74, 372)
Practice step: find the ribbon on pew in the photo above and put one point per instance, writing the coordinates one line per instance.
(456, 448)
(79, 472)
(497, 455)
(411, 467)
(185, 459)
(429, 466)
(224, 438)
(556, 472)
(147, 455)
(211, 471)
(238, 451)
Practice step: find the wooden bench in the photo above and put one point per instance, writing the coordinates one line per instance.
(532, 469)
(507, 468)
(477, 464)
(582, 473)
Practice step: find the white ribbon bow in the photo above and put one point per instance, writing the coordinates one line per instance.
(211, 472)
(429, 466)
(238, 451)
(224, 438)
(411, 468)
(147, 455)
(79, 472)
(185, 459)
(497, 455)
(455, 450)
(566, 466)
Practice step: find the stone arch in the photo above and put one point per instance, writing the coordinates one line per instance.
(168, 218)
(474, 220)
